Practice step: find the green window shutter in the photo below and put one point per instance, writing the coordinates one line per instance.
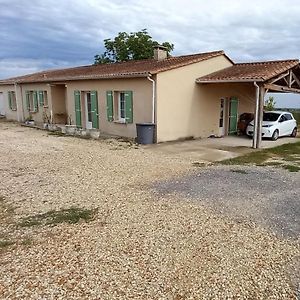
(9, 100)
(27, 101)
(129, 106)
(110, 106)
(77, 108)
(35, 101)
(94, 107)
(41, 98)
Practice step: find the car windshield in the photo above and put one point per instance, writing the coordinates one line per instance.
(269, 116)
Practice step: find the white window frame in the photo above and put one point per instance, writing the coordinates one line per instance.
(121, 119)
(117, 107)
(45, 94)
(87, 97)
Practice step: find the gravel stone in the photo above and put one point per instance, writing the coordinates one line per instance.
(142, 244)
(266, 196)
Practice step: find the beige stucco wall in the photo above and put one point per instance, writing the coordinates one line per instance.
(244, 92)
(10, 114)
(142, 102)
(36, 116)
(185, 108)
(58, 96)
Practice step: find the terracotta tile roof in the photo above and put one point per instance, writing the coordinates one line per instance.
(255, 71)
(117, 70)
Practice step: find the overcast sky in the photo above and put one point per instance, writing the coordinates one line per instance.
(42, 34)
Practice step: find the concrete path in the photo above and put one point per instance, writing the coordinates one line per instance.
(214, 149)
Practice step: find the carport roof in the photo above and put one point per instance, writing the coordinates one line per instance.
(250, 72)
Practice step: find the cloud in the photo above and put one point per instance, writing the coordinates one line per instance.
(16, 66)
(74, 30)
(70, 32)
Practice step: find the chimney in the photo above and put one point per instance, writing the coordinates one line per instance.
(160, 52)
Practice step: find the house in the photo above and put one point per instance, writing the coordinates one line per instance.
(195, 95)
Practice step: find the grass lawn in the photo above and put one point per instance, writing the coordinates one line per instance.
(286, 156)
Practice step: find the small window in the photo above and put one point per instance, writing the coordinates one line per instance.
(32, 101)
(12, 100)
(31, 107)
(43, 98)
(119, 106)
(282, 119)
(288, 116)
(89, 106)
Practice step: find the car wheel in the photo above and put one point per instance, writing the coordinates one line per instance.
(275, 135)
(294, 132)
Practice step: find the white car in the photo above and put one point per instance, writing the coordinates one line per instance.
(275, 124)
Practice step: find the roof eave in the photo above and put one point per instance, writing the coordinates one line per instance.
(295, 64)
(230, 80)
(46, 80)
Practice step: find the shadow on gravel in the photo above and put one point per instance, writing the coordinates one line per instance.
(266, 196)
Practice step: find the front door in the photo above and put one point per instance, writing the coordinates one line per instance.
(88, 111)
(233, 115)
(221, 119)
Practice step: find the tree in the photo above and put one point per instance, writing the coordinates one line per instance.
(132, 46)
(270, 104)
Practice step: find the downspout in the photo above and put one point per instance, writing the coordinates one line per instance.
(153, 98)
(255, 137)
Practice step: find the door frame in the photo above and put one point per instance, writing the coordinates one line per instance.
(88, 124)
(222, 130)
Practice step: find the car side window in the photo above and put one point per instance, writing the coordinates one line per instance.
(288, 116)
(282, 119)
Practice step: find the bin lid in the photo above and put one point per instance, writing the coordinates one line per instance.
(145, 124)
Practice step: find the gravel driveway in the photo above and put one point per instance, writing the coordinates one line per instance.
(142, 244)
(267, 196)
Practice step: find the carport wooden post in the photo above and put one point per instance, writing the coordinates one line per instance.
(259, 118)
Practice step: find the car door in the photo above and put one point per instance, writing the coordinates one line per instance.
(282, 125)
(289, 124)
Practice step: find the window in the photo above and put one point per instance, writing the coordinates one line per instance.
(43, 98)
(89, 106)
(12, 101)
(288, 116)
(282, 119)
(269, 116)
(119, 106)
(221, 119)
(32, 101)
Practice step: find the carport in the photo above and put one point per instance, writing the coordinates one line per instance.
(282, 76)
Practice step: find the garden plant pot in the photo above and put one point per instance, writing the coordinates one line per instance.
(71, 129)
